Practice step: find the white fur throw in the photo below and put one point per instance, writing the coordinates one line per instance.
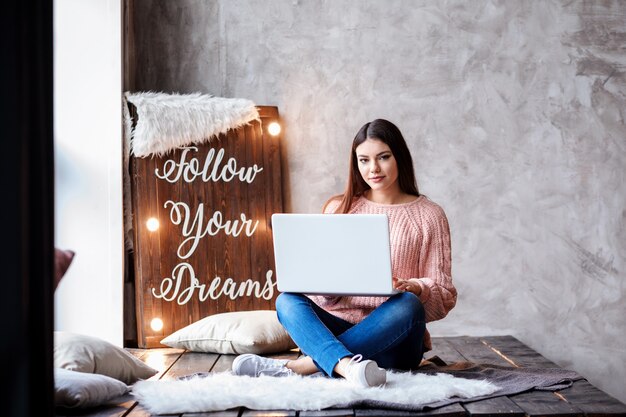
(169, 121)
(221, 391)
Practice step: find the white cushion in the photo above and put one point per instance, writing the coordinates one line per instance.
(233, 333)
(77, 390)
(81, 353)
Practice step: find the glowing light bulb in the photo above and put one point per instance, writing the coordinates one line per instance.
(152, 224)
(156, 324)
(274, 129)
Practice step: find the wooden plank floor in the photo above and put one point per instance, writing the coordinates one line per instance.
(583, 399)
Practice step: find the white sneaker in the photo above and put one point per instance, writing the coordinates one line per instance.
(255, 365)
(365, 373)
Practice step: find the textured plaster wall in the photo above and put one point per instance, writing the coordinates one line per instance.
(514, 112)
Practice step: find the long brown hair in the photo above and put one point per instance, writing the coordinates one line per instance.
(388, 133)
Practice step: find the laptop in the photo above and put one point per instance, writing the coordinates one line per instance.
(332, 254)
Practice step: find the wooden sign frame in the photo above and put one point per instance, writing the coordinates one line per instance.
(212, 251)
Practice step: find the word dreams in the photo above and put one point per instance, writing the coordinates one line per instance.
(183, 284)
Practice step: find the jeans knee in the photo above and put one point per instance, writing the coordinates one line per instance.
(284, 303)
(413, 305)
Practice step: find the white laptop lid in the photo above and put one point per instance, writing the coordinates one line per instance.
(332, 254)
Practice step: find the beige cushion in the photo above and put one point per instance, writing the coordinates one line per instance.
(79, 390)
(233, 333)
(81, 353)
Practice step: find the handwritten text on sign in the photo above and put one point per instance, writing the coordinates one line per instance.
(197, 224)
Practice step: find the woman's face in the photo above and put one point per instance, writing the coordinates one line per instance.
(377, 165)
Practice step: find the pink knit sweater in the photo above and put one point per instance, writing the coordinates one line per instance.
(420, 250)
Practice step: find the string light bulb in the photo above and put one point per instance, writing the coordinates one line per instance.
(156, 324)
(274, 128)
(152, 224)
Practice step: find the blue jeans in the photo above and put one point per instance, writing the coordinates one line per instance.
(392, 335)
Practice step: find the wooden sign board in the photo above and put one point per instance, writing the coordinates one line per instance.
(211, 251)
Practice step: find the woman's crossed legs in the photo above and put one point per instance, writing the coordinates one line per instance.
(392, 335)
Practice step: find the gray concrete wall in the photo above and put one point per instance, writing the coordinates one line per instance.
(514, 112)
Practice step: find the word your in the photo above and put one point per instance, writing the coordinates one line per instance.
(190, 170)
(196, 229)
(183, 283)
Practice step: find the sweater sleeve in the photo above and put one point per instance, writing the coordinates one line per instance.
(438, 293)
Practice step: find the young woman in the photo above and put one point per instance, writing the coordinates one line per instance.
(359, 337)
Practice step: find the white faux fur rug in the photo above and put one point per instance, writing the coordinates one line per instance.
(169, 121)
(221, 391)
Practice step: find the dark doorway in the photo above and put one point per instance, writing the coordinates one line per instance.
(27, 185)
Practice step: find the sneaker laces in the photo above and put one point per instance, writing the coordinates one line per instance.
(353, 360)
(276, 371)
(360, 374)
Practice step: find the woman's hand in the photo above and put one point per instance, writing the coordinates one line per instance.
(406, 285)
